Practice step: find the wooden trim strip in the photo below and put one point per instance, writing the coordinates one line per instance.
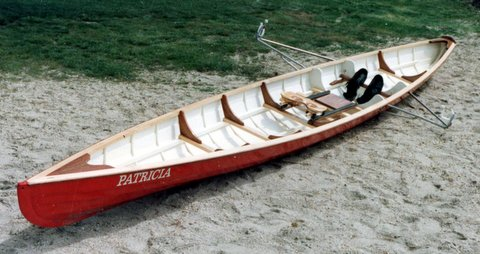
(267, 98)
(196, 144)
(228, 113)
(288, 115)
(395, 76)
(383, 64)
(246, 129)
(185, 129)
(414, 77)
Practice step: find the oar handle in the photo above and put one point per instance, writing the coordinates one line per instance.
(261, 30)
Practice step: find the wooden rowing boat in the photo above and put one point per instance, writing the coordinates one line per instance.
(224, 133)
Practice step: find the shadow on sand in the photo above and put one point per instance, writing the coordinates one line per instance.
(161, 203)
(140, 210)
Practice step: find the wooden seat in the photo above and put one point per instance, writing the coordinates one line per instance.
(295, 100)
(292, 98)
(314, 107)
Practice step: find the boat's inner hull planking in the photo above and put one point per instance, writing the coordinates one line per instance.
(253, 114)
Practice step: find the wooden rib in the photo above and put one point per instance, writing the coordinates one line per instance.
(383, 64)
(267, 98)
(185, 129)
(196, 144)
(288, 115)
(228, 113)
(413, 77)
(78, 165)
(246, 129)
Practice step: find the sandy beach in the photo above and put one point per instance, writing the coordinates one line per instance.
(391, 185)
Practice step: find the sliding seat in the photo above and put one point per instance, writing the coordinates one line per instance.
(297, 84)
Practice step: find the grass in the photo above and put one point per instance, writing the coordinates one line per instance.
(119, 39)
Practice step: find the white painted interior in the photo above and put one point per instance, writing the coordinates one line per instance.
(249, 107)
(206, 123)
(160, 142)
(157, 143)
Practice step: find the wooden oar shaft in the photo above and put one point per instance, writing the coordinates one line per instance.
(298, 49)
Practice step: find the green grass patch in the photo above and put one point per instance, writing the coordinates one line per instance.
(118, 39)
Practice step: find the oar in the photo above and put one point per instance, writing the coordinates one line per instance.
(444, 123)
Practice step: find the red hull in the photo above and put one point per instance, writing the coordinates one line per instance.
(44, 205)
